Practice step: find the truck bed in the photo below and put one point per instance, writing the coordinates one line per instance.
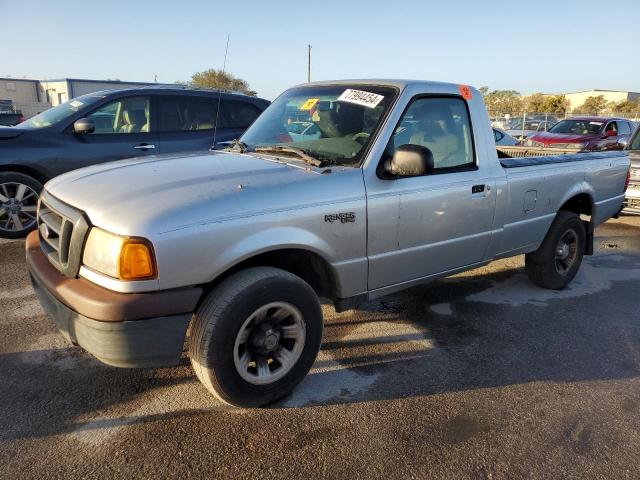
(510, 162)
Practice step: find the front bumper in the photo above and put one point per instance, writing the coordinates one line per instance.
(123, 330)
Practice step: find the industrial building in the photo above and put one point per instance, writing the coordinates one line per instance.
(578, 98)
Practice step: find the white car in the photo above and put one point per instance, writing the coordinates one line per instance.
(503, 138)
(300, 131)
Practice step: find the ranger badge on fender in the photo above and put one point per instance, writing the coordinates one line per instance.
(344, 217)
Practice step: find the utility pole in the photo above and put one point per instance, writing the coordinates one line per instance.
(309, 64)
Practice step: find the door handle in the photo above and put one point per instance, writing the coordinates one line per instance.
(477, 189)
(144, 146)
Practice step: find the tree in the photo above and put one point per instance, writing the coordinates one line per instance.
(218, 79)
(483, 90)
(534, 103)
(503, 101)
(592, 105)
(626, 106)
(557, 104)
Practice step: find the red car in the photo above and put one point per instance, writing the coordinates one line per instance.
(585, 133)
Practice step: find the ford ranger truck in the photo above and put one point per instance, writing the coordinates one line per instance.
(402, 185)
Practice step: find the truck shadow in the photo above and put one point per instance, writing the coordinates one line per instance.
(485, 330)
(492, 330)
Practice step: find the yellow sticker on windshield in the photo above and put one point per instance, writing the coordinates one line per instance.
(309, 104)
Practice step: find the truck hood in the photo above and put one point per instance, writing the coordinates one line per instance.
(551, 138)
(154, 195)
(10, 132)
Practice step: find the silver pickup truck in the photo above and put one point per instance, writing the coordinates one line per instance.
(389, 184)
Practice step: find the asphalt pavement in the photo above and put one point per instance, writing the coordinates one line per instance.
(481, 375)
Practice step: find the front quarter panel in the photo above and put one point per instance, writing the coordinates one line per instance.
(198, 254)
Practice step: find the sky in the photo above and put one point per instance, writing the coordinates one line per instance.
(536, 46)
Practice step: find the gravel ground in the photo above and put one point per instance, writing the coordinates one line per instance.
(477, 376)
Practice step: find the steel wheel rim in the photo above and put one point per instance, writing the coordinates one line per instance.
(566, 252)
(18, 205)
(257, 360)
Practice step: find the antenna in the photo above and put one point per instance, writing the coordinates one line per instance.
(224, 68)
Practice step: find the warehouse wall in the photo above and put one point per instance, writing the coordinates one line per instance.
(18, 90)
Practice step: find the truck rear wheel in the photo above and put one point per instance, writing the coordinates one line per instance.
(558, 259)
(255, 336)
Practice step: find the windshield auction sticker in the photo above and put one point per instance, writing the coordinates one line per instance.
(366, 99)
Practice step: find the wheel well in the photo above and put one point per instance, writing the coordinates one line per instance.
(309, 266)
(24, 170)
(580, 204)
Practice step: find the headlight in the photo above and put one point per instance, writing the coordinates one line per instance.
(125, 258)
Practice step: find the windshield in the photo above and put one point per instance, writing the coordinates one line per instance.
(332, 124)
(60, 112)
(577, 127)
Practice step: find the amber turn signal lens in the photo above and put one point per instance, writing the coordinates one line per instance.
(136, 261)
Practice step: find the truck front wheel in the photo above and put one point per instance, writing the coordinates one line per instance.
(255, 336)
(558, 259)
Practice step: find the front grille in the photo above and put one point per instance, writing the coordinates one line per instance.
(62, 231)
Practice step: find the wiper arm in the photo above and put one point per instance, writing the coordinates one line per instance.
(298, 151)
(237, 146)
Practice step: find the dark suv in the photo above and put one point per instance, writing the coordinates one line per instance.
(111, 125)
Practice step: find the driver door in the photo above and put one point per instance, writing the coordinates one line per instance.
(430, 224)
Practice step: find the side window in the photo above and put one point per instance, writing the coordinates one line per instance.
(239, 114)
(443, 126)
(623, 128)
(612, 126)
(497, 136)
(126, 115)
(184, 114)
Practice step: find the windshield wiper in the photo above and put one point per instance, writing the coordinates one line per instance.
(237, 146)
(317, 162)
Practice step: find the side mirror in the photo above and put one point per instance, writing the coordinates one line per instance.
(83, 126)
(410, 161)
(610, 133)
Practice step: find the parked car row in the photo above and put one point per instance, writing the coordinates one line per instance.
(520, 127)
(111, 125)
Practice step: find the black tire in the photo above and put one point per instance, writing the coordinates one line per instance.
(9, 184)
(546, 267)
(218, 322)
